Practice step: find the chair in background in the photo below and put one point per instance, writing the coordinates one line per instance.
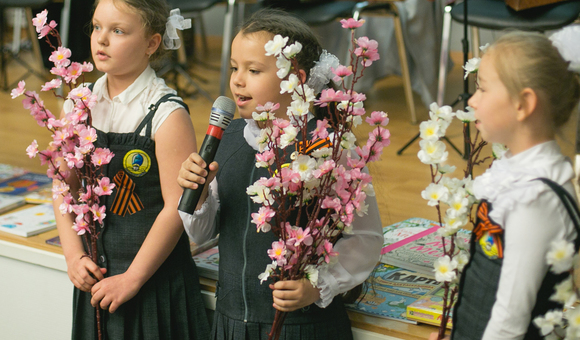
(13, 53)
(177, 65)
(496, 15)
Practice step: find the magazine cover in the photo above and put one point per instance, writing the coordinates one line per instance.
(428, 309)
(29, 222)
(420, 251)
(24, 184)
(9, 202)
(208, 263)
(8, 171)
(389, 290)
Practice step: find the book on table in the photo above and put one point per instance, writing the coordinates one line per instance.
(24, 184)
(42, 195)
(10, 202)
(207, 263)
(429, 309)
(389, 290)
(8, 171)
(419, 251)
(30, 221)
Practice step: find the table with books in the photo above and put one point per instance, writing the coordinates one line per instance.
(35, 288)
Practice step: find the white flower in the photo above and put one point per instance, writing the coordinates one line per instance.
(355, 120)
(444, 112)
(284, 65)
(445, 269)
(432, 152)
(290, 84)
(446, 168)
(573, 317)
(298, 108)
(435, 193)
(546, 323)
(471, 66)
(564, 292)
(498, 150)
(289, 136)
(274, 46)
(311, 274)
(451, 183)
(466, 116)
(458, 204)
(307, 94)
(304, 165)
(429, 130)
(348, 140)
(462, 259)
(322, 153)
(292, 50)
(266, 274)
(262, 139)
(484, 47)
(260, 194)
(560, 256)
(453, 223)
(468, 185)
(262, 116)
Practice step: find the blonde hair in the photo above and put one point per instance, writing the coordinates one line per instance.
(529, 60)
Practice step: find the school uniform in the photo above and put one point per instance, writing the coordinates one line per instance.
(244, 306)
(169, 304)
(506, 283)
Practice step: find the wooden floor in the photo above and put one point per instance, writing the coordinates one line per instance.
(398, 180)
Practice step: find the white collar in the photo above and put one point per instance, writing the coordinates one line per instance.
(131, 92)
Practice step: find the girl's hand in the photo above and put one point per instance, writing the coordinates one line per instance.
(84, 273)
(293, 294)
(193, 172)
(114, 291)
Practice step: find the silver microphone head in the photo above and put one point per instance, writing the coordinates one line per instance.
(222, 112)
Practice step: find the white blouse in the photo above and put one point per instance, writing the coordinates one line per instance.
(124, 112)
(532, 216)
(358, 252)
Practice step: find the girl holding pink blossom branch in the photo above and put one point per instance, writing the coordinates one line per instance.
(314, 306)
(144, 276)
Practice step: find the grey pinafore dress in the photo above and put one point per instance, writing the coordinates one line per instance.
(480, 280)
(244, 306)
(169, 305)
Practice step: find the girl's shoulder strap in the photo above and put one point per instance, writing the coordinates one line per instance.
(153, 108)
(568, 201)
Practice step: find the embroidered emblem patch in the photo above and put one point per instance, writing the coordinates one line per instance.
(137, 162)
(488, 233)
(126, 200)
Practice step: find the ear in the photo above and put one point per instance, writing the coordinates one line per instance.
(302, 76)
(154, 42)
(526, 104)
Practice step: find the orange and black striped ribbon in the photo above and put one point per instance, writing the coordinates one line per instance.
(485, 225)
(306, 147)
(126, 199)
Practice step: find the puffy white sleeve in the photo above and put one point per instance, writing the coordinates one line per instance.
(529, 230)
(200, 226)
(358, 254)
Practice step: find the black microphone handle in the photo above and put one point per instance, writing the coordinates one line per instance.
(191, 197)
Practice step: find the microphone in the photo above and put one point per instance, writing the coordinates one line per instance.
(222, 113)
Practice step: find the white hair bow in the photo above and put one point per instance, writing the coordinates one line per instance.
(174, 22)
(567, 41)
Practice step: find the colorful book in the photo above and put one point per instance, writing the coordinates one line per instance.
(208, 263)
(429, 309)
(24, 184)
(9, 202)
(389, 290)
(29, 222)
(8, 171)
(54, 241)
(420, 251)
(404, 229)
(42, 195)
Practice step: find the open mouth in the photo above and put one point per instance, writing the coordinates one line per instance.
(243, 99)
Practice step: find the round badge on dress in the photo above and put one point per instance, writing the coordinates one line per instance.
(137, 162)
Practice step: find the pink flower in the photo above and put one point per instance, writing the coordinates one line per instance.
(60, 189)
(98, 212)
(357, 97)
(321, 131)
(269, 106)
(326, 249)
(60, 57)
(331, 203)
(81, 227)
(278, 253)
(262, 217)
(59, 136)
(348, 214)
(324, 168)
(73, 72)
(86, 196)
(87, 67)
(105, 187)
(367, 50)
(341, 72)
(290, 179)
(329, 96)
(40, 20)
(265, 158)
(18, 90)
(53, 84)
(379, 135)
(303, 236)
(46, 29)
(281, 123)
(351, 23)
(76, 160)
(86, 135)
(378, 118)
(32, 149)
(80, 210)
(45, 157)
(101, 157)
(59, 71)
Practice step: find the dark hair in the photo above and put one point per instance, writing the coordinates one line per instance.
(153, 15)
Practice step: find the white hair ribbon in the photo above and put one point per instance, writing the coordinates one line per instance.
(174, 22)
(567, 41)
(321, 73)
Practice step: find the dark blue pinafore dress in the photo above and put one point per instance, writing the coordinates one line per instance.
(169, 305)
(244, 306)
(480, 280)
